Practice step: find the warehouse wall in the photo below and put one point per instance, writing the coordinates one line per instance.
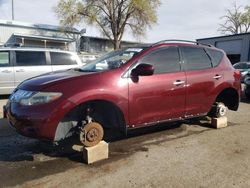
(237, 47)
(7, 31)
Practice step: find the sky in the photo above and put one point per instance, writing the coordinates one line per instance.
(177, 19)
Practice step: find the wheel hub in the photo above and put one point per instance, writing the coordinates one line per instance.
(91, 134)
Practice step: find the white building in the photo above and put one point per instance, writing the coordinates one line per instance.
(38, 35)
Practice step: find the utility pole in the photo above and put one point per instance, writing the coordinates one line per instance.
(13, 10)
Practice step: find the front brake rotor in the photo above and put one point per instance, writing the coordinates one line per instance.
(91, 134)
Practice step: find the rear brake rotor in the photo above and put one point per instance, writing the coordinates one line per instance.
(91, 134)
(221, 110)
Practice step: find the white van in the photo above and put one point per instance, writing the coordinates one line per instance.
(19, 64)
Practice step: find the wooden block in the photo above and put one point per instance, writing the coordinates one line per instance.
(219, 122)
(96, 153)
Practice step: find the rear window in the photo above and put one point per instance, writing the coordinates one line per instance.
(216, 56)
(29, 58)
(62, 59)
(196, 58)
(4, 59)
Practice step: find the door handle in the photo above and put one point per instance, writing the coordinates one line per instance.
(217, 77)
(6, 71)
(178, 82)
(20, 70)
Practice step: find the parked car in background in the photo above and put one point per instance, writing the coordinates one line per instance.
(126, 89)
(19, 64)
(244, 68)
(247, 85)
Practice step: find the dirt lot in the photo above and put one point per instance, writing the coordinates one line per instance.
(190, 154)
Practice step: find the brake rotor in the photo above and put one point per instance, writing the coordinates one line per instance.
(221, 110)
(91, 134)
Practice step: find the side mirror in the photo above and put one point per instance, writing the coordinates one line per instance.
(143, 70)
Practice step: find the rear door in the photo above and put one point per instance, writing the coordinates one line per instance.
(62, 61)
(6, 73)
(29, 64)
(202, 79)
(160, 96)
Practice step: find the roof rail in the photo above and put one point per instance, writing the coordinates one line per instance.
(184, 41)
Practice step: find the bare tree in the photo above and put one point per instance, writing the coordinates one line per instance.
(236, 20)
(112, 17)
(245, 18)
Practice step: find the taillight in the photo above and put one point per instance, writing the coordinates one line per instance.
(237, 75)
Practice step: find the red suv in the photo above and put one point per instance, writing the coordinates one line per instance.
(126, 89)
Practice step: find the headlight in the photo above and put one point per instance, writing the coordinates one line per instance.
(29, 98)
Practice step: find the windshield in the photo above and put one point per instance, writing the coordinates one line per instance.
(111, 60)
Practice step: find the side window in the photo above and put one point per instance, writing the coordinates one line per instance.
(164, 60)
(29, 58)
(196, 58)
(62, 59)
(216, 56)
(4, 59)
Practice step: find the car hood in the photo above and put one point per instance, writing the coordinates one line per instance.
(52, 78)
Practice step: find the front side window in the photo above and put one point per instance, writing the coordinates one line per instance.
(4, 59)
(164, 60)
(62, 59)
(196, 58)
(29, 58)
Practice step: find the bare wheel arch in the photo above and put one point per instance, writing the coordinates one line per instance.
(103, 112)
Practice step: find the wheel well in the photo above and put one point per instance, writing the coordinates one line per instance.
(230, 98)
(104, 112)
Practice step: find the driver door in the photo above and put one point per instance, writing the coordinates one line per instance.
(161, 96)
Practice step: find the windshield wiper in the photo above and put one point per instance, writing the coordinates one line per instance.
(85, 70)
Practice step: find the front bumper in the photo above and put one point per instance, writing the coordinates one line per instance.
(36, 121)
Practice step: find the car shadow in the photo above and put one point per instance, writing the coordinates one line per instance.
(15, 147)
(138, 140)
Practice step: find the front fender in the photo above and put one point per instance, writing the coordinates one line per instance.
(121, 101)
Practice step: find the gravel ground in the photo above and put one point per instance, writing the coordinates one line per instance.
(189, 154)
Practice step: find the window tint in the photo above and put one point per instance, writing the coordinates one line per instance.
(164, 60)
(196, 58)
(4, 59)
(216, 56)
(62, 59)
(30, 58)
